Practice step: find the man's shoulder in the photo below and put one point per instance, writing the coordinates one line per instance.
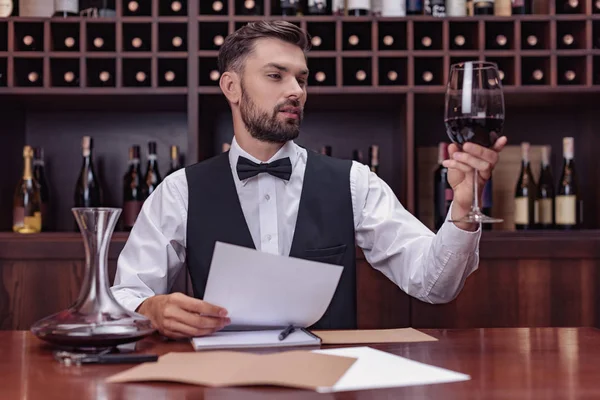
(207, 165)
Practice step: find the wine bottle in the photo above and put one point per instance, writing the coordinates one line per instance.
(568, 41)
(532, 41)
(6, 8)
(27, 214)
(426, 42)
(456, 8)
(544, 203)
(132, 189)
(152, 178)
(537, 76)
(570, 6)
(483, 7)
(66, 8)
(459, 41)
(326, 150)
(36, 8)
(470, 10)
(393, 8)
(29, 43)
(174, 160)
(597, 6)
(566, 198)
(435, 8)
(487, 202)
(319, 7)
(176, 8)
(250, 7)
(522, 6)
(525, 193)
(357, 155)
(374, 158)
(88, 192)
(360, 76)
(177, 42)
(98, 42)
(501, 41)
(141, 77)
(39, 174)
(136, 43)
(359, 7)
(503, 8)
(414, 7)
(320, 76)
(427, 77)
(217, 6)
(290, 7)
(443, 194)
(106, 10)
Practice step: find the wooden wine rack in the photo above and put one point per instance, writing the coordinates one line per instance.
(403, 64)
(526, 278)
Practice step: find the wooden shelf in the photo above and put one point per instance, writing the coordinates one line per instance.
(494, 244)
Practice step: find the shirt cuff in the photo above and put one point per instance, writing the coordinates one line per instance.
(130, 303)
(459, 239)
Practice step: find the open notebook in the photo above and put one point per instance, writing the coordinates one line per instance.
(249, 339)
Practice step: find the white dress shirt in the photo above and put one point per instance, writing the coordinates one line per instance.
(430, 267)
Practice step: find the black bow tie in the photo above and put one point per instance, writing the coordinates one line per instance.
(281, 168)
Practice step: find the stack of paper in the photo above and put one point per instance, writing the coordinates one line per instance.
(250, 339)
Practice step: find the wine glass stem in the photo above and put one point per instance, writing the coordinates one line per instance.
(475, 191)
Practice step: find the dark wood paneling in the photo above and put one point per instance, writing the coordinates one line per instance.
(517, 293)
(515, 285)
(31, 290)
(381, 304)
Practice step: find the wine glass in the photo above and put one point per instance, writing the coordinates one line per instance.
(474, 112)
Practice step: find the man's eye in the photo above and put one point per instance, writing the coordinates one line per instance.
(274, 76)
(301, 82)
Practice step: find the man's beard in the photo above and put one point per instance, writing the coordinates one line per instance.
(268, 128)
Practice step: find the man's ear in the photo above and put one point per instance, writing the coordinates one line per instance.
(230, 85)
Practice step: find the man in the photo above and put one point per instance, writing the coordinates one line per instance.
(300, 204)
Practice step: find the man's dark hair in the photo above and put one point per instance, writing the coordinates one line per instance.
(240, 43)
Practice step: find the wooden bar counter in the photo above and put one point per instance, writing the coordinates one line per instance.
(514, 363)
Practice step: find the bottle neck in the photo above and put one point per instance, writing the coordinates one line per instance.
(27, 170)
(151, 160)
(87, 160)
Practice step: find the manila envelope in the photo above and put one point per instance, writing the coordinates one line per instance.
(297, 369)
(403, 335)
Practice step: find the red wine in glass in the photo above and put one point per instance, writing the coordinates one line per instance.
(483, 131)
(474, 112)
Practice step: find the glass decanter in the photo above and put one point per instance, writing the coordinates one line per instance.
(96, 321)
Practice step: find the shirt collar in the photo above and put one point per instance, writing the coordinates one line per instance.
(289, 149)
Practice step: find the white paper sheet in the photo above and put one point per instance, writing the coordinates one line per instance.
(267, 290)
(375, 369)
(266, 338)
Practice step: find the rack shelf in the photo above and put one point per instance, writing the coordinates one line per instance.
(395, 55)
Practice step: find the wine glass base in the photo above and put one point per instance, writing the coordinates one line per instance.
(476, 217)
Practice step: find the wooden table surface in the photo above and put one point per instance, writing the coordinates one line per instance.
(511, 363)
